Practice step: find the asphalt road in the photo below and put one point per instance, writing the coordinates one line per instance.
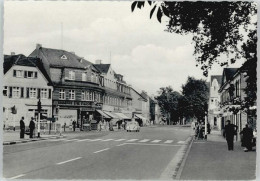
(106, 155)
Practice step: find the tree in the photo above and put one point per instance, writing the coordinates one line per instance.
(216, 29)
(168, 103)
(194, 102)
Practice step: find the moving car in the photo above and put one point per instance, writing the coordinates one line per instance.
(132, 126)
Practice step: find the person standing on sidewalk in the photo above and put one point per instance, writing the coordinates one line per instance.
(230, 131)
(247, 138)
(32, 127)
(22, 128)
(74, 125)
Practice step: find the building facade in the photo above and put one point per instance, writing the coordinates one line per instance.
(214, 102)
(77, 92)
(232, 93)
(24, 83)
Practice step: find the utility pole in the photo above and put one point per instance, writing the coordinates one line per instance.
(39, 115)
(206, 129)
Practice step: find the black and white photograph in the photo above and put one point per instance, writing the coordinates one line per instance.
(129, 90)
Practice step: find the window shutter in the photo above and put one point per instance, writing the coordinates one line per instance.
(14, 72)
(25, 74)
(49, 93)
(35, 74)
(22, 92)
(39, 93)
(27, 92)
(10, 92)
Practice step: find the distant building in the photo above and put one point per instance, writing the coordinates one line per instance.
(214, 102)
(77, 93)
(25, 81)
(232, 93)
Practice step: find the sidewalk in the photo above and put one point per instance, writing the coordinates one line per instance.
(211, 160)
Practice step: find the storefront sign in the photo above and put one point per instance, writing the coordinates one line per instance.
(78, 103)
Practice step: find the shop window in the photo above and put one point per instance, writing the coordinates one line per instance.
(62, 94)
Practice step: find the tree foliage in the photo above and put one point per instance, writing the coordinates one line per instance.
(168, 102)
(194, 102)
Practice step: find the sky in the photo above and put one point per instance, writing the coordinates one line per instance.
(137, 47)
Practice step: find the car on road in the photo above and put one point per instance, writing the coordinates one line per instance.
(132, 126)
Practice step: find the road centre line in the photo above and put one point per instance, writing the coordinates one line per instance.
(148, 144)
(96, 140)
(101, 150)
(120, 140)
(121, 144)
(107, 140)
(60, 163)
(18, 176)
(168, 141)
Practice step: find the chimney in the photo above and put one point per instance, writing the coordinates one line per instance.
(38, 46)
(12, 53)
(98, 61)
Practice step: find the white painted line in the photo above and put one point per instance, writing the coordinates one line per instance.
(84, 140)
(101, 150)
(156, 141)
(120, 140)
(108, 140)
(199, 142)
(132, 140)
(150, 144)
(68, 160)
(168, 141)
(71, 140)
(121, 144)
(57, 140)
(144, 140)
(18, 176)
(96, 140)
(181, 142)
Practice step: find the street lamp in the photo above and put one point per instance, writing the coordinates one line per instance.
(206, 123)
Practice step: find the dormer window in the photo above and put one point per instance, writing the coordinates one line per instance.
(63, 57)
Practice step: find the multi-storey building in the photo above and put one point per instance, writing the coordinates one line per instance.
(25, 82)
(117, 100)
(214, 102)
(77, 92)
(232, 93)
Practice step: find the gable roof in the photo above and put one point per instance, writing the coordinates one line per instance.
(218, 77)
(141, 96)
(228, 73)
(11, 60)
(103, 68)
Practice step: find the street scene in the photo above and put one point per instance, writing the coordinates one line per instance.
(143, 90)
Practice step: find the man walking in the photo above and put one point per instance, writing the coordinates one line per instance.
(74, 125)
(230, 131)
(32, 127)
(247, 138)
(22, 128)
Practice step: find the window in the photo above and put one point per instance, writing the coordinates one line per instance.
(62, 94)
(71, 75)
(44, 94)
(83, 95)
(32, 93)
(30, 74)
(72, 94)
(90, 96)
(92, 77)
(16, 92)
(17, 73)
(63, 57)
(87, 95)
(84, 77)
(5, 91)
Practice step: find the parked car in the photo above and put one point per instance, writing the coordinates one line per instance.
(132, 126)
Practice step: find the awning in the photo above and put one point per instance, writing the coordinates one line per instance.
(140, 116)
(103, 114)
(122, 116)
(112, 115)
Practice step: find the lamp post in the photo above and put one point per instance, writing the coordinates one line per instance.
(39, 115)
(206, 123)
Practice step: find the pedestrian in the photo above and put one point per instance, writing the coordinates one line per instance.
(230, 131)
(22, 128)
(64, 126)
(32, 127)
(74, 125)
(247, 138)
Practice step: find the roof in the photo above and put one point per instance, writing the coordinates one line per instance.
(144, 98)
(218, 77)
(54, 58)
(103, 68)
(11, 60)
(228, 73)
